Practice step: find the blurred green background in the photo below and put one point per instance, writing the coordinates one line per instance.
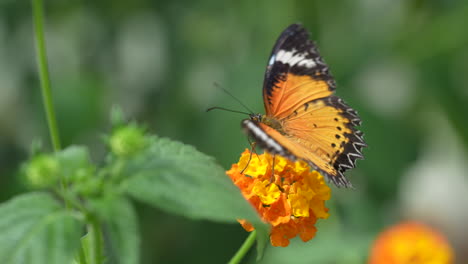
(401, 64)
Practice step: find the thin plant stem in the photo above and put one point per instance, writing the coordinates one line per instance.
(95, 233)
(38, 16)
(82, 256)
(94, 226)
(244, 248)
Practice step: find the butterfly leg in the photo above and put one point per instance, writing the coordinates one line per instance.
(252, 149)
(272, 178)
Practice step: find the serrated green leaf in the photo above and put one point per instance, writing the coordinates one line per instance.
(181, 180)
(35, 228)
(121, 224)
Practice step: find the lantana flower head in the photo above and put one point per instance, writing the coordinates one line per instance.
(291, 198)
(411, 243)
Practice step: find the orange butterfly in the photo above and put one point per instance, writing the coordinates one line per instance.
(304, 119)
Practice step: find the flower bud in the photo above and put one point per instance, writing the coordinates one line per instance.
(127, 140)
(42, 171)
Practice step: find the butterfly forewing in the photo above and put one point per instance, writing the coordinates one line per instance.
(293, 68)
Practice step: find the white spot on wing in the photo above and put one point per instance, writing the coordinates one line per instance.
(272, 59)
(294, 59)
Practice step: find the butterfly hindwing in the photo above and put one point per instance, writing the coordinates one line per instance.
(327, 130)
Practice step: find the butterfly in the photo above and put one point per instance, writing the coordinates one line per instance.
(304, 120)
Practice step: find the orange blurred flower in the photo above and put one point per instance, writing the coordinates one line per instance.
(290, 202)
(411, 243)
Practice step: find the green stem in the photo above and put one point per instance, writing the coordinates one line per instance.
(244, 248)
(96, 242)
(82, 256)
(94, 227)
(38, 16)
(72, 201)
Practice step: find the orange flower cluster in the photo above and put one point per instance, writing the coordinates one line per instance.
(290, 199)
(411, 243)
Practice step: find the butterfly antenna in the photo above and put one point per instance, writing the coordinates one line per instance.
(225, 109)
(235, 98)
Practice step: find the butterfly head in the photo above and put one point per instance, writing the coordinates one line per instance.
(256, 117)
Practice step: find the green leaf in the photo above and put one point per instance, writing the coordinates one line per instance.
(35, 228)
(181, 180)
(121, 223)
(263, 237)
(74, 160)
(78, 172)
